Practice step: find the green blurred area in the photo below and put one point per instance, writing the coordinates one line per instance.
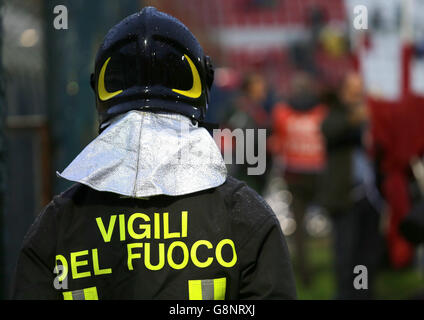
(390, 284)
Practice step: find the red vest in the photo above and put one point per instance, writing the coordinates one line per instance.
(297, 137)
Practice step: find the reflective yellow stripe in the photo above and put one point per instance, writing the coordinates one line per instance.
(67, 295)
(219, 286)
(194, 290)
(91, 293)
(207, 289)
(84, 294)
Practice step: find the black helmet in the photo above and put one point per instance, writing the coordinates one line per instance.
(151, 61)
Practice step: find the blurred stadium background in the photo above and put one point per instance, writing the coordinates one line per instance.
(48, 113)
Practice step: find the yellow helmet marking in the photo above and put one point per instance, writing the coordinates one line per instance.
(103, 93)
(196, 89)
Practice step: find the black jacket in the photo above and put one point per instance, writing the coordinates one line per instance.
(220, 243)
(341, 138)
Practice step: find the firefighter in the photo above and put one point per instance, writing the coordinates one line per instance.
(153, 213)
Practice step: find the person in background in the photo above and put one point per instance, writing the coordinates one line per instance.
(250, 112)
(252, 101)
(349, 191)
(298, 145)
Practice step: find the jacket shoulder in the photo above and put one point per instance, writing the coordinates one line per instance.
(230, 186)
(73, 195)
(235, 190)
(244, 203)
